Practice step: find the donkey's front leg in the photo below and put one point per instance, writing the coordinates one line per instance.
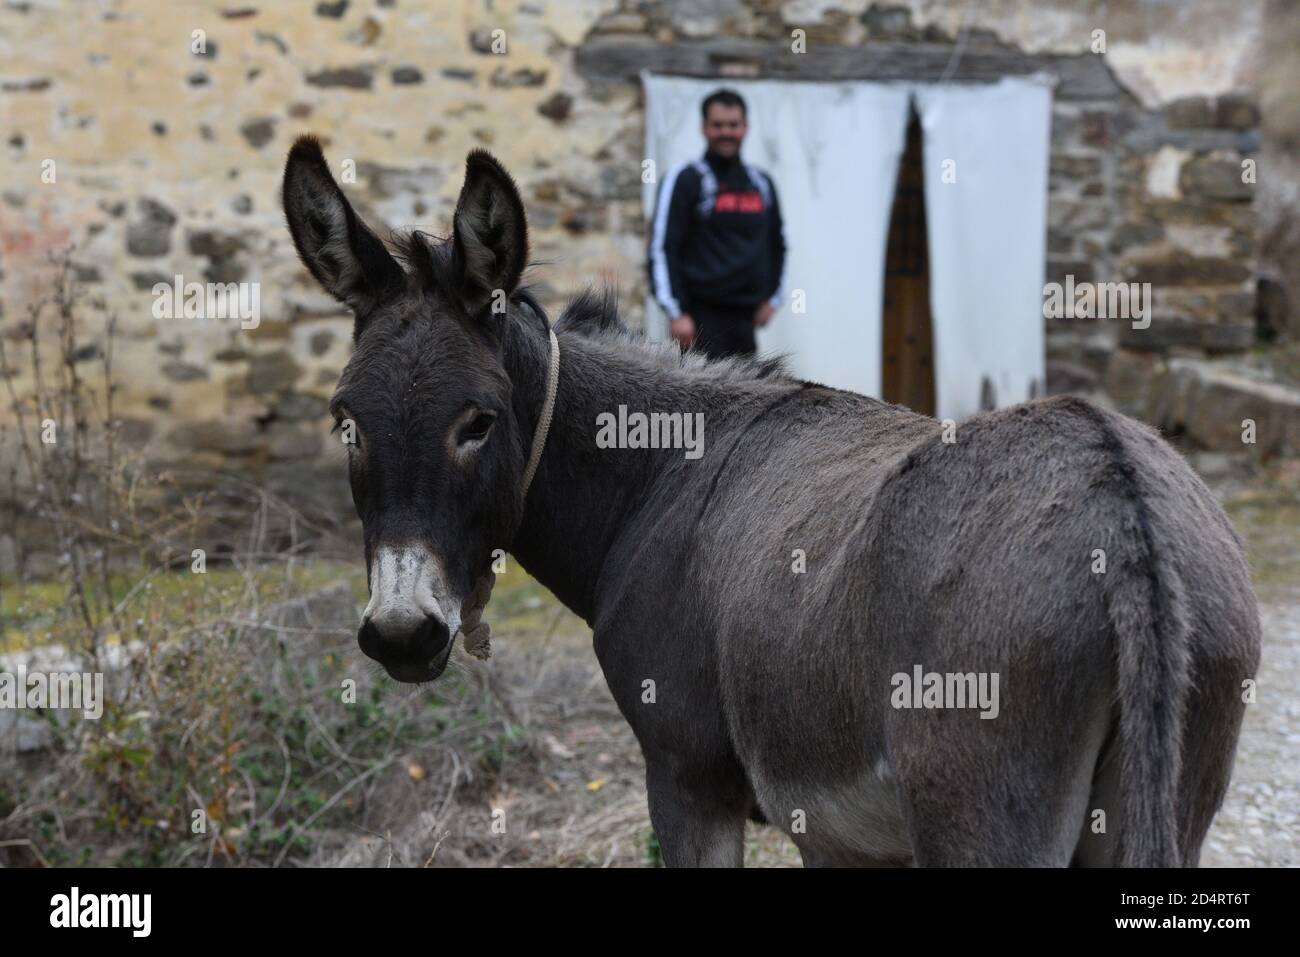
(698, 818)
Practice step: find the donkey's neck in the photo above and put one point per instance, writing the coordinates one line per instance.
(583, 496)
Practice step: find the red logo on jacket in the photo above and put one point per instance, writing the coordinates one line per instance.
(738, 202)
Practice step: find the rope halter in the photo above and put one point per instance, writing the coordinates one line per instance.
(473, 628)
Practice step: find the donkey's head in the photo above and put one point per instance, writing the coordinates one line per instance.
(436, 451)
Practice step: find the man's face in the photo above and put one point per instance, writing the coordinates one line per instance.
(725, 128)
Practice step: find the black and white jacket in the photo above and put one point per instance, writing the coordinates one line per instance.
(717, 237)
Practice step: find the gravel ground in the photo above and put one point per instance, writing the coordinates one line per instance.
(1259, 824)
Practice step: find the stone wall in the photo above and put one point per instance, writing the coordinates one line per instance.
(1155, 196)
(149, 136)
(167, 161)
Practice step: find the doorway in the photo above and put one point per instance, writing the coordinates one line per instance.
(907, 346)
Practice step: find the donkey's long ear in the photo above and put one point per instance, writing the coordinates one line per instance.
(490, 234)
(342, 253)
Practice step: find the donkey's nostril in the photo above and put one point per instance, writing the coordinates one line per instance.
(410, 653)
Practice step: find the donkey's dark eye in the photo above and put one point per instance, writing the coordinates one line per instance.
(477, 428)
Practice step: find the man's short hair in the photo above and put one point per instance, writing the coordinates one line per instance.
(723, 97)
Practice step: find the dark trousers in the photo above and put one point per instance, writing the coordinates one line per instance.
(724, 330)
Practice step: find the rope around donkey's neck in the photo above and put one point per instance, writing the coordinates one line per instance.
(473, 628)
(548, 410)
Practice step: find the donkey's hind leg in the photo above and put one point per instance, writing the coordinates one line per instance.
(1014, 797)
(1209, 748)
(995, 827)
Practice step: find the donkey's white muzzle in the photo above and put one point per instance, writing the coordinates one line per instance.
(410, 621)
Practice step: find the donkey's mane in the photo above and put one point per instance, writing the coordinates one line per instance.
(426, 257)
(592, 314)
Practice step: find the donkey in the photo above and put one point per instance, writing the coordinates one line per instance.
(761, 611)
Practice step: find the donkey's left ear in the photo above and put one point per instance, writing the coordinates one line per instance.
(342, 253)
(490, 234)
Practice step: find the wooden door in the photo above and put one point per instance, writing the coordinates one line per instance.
(907, 350)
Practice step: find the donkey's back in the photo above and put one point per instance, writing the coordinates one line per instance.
(1023, 642)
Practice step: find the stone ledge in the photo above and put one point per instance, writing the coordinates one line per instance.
(1207, 401)
(622, 58)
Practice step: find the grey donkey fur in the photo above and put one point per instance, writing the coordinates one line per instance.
(760, 691)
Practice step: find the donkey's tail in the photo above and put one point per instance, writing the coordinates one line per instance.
(1148, 611)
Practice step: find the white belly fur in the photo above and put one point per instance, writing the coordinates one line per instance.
(860, 822)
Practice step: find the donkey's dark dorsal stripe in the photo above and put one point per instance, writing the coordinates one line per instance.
(896, 644)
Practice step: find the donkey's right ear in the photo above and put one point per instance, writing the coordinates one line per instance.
(342, 253)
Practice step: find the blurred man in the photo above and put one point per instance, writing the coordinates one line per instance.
(716, 249)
